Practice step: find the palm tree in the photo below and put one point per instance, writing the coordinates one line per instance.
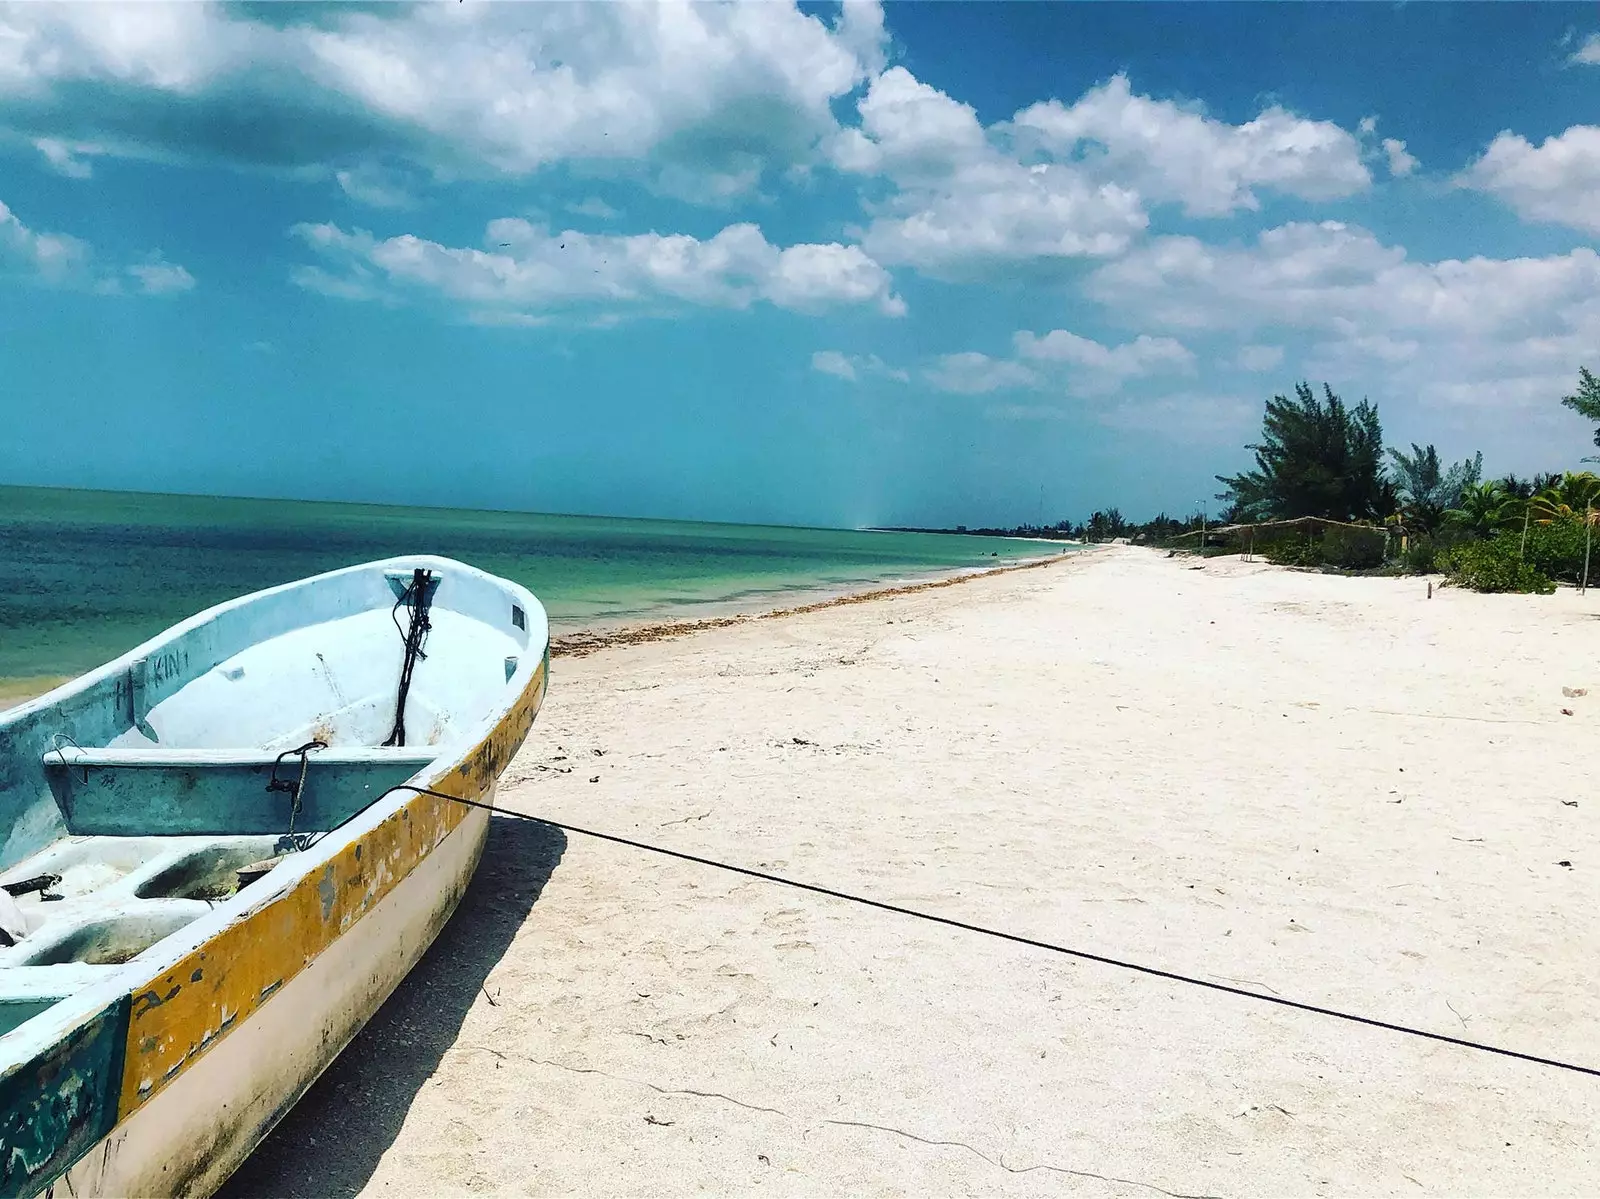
(1527, 488)
(1575, 497)
(1426, 490)
(1484, 507)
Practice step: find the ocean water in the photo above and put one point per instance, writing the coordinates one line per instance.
(88, 575)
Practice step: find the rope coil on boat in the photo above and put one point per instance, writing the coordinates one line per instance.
(416, 597)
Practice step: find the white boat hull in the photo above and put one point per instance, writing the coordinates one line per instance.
(199, 1129)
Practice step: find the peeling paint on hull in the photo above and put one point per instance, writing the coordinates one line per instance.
(206, 1122)
(213, 991)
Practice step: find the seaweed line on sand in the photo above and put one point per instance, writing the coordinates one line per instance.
(583, 643)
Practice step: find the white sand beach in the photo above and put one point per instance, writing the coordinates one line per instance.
(1334, 790)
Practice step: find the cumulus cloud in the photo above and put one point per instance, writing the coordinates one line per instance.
(960, 199)
(855, 367)
(1557, 181)
(1174, 153)
(161, 278)
(716, 91)
(1480, 331)
(61, 260)
(595, 209)
(1068, 181)
(1588, 52)
(51, 257)
(832, 362)
(370, 184)
(972, 373)
(1190, 418)
(1401, 163)
(1086, 367)
(69, 160)
(1257, 359)
(1061, 361)
(526, 266)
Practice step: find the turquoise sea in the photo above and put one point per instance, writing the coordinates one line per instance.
(90, 574)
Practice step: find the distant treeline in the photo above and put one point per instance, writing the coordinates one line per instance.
(1101, 526)
(1318, 457)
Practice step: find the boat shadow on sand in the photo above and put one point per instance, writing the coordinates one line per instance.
(331, 1141)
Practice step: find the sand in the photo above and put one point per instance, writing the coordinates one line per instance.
(1335, 790)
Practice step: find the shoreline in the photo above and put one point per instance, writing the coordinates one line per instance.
(674, 620)
(584, 641)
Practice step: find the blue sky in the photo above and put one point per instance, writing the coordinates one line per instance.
(926, 264)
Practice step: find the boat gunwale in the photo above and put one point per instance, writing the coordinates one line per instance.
(156, 756)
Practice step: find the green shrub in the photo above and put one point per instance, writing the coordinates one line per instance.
(1347, 549)
(1294, 551)
(1426, 553)
(1493, 565)
(1353, 549)
(1419, 556)
(1556, 549)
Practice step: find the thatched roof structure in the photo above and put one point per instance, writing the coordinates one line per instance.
(1303, 523)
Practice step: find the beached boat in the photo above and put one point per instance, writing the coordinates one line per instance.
(208, 879)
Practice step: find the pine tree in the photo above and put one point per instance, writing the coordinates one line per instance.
(1315, 458)
(1586, 402)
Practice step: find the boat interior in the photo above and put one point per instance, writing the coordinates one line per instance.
(138, 798)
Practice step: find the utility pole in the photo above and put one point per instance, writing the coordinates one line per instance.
(1588, 540)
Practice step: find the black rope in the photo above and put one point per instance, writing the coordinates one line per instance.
(415, 596)
(1085, 955)
(295, 790)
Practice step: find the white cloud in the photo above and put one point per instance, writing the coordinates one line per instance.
(1589, 52)
(60, 260)
(1333, 276)
(1401, 163)
(972, 373)
(161, 278)
(51, 257)
(716, 92)
(1177, 154)
(855, 367)
(1558, 181)
(370, 184)
(64, 158)
(832, 362)
(960, 200)
(1257, 359)
(1189, 418)
(594, 208)
(1088, 367)
(501, 318)
(1483, 331)
(1061, 362)
(528, 267)
(1061, 182)
(909, 129)
(1029, 412)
